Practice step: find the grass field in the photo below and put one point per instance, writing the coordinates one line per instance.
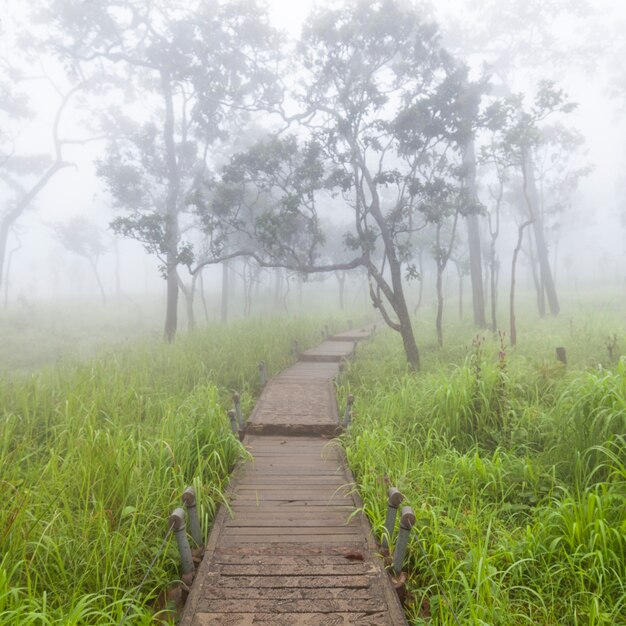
(514, 465)
(94, 455)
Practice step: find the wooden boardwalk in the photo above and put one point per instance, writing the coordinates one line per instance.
(291, 551)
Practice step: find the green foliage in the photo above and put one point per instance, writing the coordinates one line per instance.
(516, 469)
(94, 456)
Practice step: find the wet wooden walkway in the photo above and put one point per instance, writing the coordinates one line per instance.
(291, 550)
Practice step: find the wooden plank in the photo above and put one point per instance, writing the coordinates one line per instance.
(288, 531)
(322, 540)
(284, 521)
(311, 582)
(295, 567)
(277, 560)
(272, 551)
(230, 593)
(336, 605)
(301, 619)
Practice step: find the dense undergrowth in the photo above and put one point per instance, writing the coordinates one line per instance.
(515, 467)
(94, 456)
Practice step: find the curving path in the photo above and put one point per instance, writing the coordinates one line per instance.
(291, 551)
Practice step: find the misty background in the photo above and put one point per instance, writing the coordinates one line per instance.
(581, 46)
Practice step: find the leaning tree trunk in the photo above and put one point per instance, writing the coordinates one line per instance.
(189, 293)
(473, 236)
(532, 200)
(9, 263)
(94, 267)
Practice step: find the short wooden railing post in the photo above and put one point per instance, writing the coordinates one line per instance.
(561, 355)
(296, 350)
(238, 413)
(395, 499)
(176, 522)
(232, 416)
(347, 415)
(407, 520)
(262, 374)
(189, 500)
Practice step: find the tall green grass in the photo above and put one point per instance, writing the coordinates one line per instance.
(514, 465)
(93, 457)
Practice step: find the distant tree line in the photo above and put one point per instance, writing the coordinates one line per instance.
(225, 141)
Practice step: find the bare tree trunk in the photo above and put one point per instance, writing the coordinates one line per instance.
(341, 279)
(172, 233)
(420, 268)
(518, 247)
(473, 237)
(539, 292)
(118, 289)
(494, 288)
(225, 292)
(460, 275)
(94, 267)
(25, 201)
(278, 287)
(439, 320)
(189, 293)
(202, 296)
(532, 200)
(7, 276)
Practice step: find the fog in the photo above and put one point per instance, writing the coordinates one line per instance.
(577, 45)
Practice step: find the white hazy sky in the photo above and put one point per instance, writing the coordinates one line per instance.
(76, 190)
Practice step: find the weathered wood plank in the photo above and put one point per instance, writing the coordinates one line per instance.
(350, 581)
(281, 593)
(297, 567)
(301, 619)
(337, 605)
(287, 531)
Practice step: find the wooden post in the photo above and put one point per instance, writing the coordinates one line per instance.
(347, 416)
(262, 374)
(232, 416)
(189, 500)
(395, 499)
(406, 523)
(238, 413)
(176, 522)
(561, 355)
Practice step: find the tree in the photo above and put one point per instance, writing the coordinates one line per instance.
(517, 130)
(379, 100)
(84, 238)
(362, 62)
(24, 176)
(196, 67)
(513, 37)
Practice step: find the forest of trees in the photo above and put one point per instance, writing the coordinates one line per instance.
(221, 141)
